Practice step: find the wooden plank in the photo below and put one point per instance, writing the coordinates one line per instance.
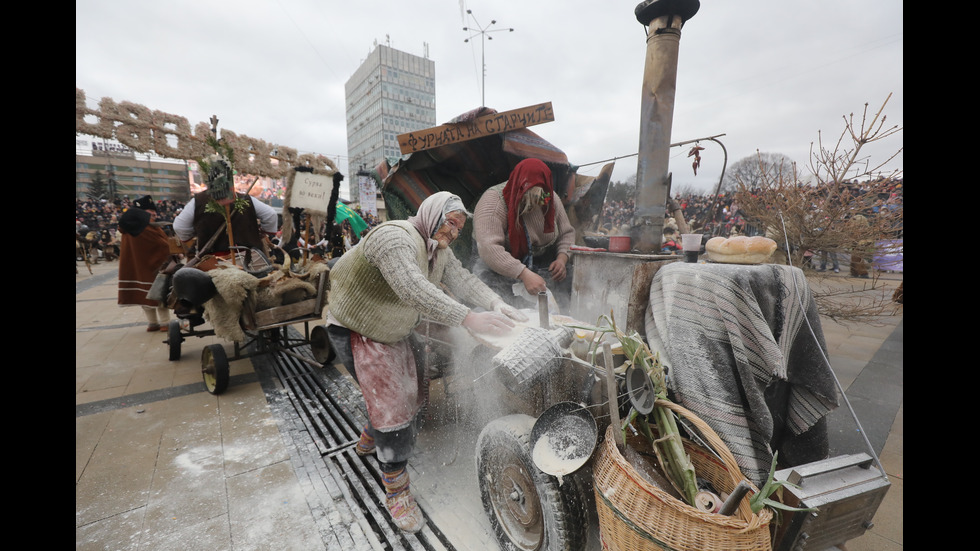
(479, 127)
(284, 313)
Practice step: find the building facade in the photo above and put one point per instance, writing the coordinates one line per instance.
(391, 93)
(126, 173)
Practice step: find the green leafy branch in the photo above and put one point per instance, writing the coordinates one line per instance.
(669, 448)
(237, 206)
(763, 499)
(221, 149)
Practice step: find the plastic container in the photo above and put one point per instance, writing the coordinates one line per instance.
(580, 345)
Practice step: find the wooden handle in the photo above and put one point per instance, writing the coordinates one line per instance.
(613, 395)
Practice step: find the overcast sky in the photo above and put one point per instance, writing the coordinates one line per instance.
(768, 74)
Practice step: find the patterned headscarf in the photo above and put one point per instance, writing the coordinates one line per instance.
(527, 174)
(430, 217)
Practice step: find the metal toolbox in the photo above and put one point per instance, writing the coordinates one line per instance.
(844, 490)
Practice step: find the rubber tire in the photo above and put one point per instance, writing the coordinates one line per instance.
(214, 367)
(547, 516)
(174, 338)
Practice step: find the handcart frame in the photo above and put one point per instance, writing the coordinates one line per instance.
(266, 331)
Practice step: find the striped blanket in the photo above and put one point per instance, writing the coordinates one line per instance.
(741, 357)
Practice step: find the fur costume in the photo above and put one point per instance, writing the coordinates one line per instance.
(140, 258)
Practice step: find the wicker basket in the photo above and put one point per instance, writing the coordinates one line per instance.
(635, 515)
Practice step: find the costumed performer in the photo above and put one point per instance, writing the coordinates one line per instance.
(380, 291)
(195, 220)
(523, 235)
(143, 249)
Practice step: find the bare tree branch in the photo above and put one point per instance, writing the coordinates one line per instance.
(851, 211)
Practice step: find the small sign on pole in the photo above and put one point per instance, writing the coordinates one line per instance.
(367, 193)
(310, 192)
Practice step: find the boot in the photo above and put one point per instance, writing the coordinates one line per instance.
(365, 446)
(401, 504)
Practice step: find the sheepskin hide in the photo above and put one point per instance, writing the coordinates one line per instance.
(315, 270)
(236, 291)
(285, 291)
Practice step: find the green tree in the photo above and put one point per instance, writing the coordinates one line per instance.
(97, 188)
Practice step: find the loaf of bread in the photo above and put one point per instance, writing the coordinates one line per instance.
(740, 249)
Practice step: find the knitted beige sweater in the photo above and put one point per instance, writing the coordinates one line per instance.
(383, 287)
(490, 229)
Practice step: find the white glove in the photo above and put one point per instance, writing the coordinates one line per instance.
(509, 311)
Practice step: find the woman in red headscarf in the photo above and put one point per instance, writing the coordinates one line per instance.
(523, 235)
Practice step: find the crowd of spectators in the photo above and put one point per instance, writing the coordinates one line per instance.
(97, 214)
(96, 223)
(711, 215)
(617, 216)
(706, 214)
(698, 212)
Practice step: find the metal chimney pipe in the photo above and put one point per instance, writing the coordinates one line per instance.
(663, 20)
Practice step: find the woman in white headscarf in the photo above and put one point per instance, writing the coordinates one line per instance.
(380, 291)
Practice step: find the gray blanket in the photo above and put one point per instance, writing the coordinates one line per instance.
(741, 357)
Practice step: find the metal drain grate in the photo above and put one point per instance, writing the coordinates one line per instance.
(327, 406)
(324, 399)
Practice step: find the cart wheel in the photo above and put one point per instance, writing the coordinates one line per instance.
(528, 509)
(174, 338)
(320, 345)
(214, 366)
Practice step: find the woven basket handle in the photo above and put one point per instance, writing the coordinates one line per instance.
(718, 445)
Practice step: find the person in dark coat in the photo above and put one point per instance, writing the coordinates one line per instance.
(143, 250)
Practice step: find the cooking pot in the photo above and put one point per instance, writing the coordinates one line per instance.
(619, 243)
(563, 438)
(596, 241)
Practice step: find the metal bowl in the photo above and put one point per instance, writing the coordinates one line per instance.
(596, 241)
(567, 431)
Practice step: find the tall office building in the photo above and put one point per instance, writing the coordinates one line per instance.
(391, 93)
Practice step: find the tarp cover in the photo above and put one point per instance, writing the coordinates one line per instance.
(466, 168)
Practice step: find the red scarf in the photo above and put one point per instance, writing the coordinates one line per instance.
(527, 174)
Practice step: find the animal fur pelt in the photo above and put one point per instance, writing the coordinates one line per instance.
(236, 291)
(899, 294)
(283, 286)
(287, 290)
(315, 269)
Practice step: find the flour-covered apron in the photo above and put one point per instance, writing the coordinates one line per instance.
(389, 381)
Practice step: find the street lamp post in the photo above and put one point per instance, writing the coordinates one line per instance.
(484, 33)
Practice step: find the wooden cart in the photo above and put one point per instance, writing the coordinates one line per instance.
(265, 330)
